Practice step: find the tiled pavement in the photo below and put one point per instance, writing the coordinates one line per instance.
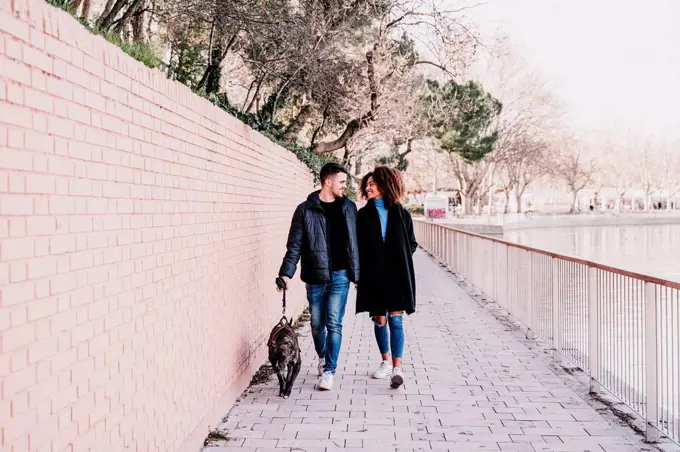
(471, 384)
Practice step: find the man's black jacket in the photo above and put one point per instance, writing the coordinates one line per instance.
(308, 242)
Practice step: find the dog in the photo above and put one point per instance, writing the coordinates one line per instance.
(284, 355)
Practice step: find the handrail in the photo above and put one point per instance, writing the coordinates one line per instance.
(620, 327)
(631, 274)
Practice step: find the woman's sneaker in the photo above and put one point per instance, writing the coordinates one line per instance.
(384, 371)
(397, 378)
(326, 381)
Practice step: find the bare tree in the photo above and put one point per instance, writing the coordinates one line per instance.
(392, 55)
(648, 161)
(573, 167)
(527, 122)
(672, 176)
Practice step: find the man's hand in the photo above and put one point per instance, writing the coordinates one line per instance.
(285, 279)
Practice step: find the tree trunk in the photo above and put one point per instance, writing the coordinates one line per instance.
(86, 9)
(574, 201)
(213, 72)
(109, 15)
(298, 123)
(351, 128)
(518, 200)
(506, 208)
(127, 15)
(137, 22)
(355, 124)
(73, 6)
(106, 10)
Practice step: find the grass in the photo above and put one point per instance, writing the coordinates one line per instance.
(141, 51)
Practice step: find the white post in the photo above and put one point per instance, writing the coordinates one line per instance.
(593, 328)
(530, 297)
(557, 314)
(652, 433)
(494, 272)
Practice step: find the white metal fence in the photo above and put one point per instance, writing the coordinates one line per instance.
(620, 327)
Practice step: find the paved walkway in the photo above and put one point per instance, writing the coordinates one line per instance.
(471, 384)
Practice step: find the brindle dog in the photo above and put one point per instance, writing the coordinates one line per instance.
(284, 350)
(284, 355)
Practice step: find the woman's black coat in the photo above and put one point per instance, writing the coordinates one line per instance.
(387, 281)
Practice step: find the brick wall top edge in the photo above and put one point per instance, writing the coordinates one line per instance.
(63, 26)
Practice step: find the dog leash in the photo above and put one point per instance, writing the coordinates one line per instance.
(281, 284)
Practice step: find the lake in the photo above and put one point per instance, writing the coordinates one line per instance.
(649, 249)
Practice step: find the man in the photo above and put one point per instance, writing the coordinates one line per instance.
(323, 235)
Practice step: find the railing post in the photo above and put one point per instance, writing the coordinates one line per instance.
(494, 272)
(594, 330)
(509, 307)
(652, 432)
(557, 314)
(530, 297)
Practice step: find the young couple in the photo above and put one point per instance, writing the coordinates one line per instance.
(372, 248)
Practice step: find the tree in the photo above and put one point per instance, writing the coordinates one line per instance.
(391, 57)
(527, 122)
(573, 167)
(462, 117)
(650, 173)
(672, 176)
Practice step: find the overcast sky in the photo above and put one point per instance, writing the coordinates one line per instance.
(615, 64)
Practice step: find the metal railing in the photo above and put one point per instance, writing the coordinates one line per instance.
(620, 327)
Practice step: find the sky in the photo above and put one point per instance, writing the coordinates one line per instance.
(615, 64)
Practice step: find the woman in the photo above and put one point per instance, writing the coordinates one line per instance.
(387, 284)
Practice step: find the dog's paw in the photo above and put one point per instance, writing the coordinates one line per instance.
(285, 396)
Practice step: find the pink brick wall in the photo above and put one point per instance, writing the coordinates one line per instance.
(140, 232)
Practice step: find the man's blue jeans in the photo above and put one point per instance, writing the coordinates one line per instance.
(327, 303)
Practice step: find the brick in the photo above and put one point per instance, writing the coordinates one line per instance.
(36, 58)
(12, 339)
(15, 205)
(15, 159)
(16, 115)
(40, 184)
(38, 100)
(14, 26)
(15, 93)
(40, 350)
(63, 283)
(39, 309)
(18, 248)
(40, 142)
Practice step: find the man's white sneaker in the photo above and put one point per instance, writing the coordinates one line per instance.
(326, 381)
(384, 371)
(321, 365)
(397, 378)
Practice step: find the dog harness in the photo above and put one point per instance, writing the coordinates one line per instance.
(284, 326)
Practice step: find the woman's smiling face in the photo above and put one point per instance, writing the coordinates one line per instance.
(372, 189)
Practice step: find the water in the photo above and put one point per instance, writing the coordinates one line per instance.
(648, 249)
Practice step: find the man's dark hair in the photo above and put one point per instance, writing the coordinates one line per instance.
(330, 169)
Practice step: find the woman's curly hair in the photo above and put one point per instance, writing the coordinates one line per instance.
(389, 181)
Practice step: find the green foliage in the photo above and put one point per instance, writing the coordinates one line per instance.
(140, 51)
(61, 4)
(187, 63)
(417, 211)
(394, 159)
(274, 131)
(461, 116)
